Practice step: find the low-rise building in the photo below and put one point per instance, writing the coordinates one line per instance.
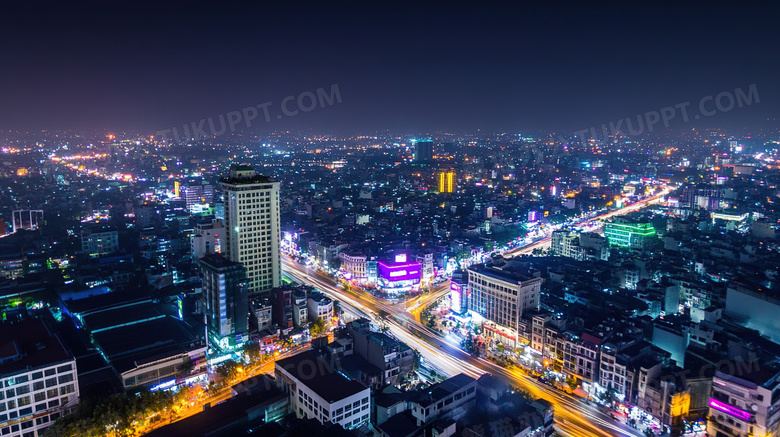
(318, 392)
(745, 405)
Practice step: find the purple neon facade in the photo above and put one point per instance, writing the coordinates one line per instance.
(408, 271)
(728, 409)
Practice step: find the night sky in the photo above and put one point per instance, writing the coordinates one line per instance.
(142, 66)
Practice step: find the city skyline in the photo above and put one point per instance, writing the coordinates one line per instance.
(543, 220)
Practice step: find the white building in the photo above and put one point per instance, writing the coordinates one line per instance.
(263, 311)
(500, 292)
(320, 307)
(425, 259)
(207, 238)
(300, 308)
(39, 379)
(580, 246)
(252, 222)
(741, 407)
(353, 264)
(318, 392)
(451, 398)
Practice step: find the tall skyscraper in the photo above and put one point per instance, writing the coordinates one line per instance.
(252, 226)
(226, 301)
(423, 151)
(446, 181)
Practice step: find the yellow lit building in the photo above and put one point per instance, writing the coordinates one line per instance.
(446, 181)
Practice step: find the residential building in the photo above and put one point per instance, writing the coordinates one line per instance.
(300, 308)
(38, 377)
(283, 307)
(450, 398)
(262, 308)
(320, 307)
(747, 405)
(580, 246)
(252, 222)
(393, 357)
(207, 238)
(96, 242)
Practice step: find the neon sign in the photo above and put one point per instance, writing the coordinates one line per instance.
(728, 409)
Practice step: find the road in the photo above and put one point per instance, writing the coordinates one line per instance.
(573, 417)
(545, 242)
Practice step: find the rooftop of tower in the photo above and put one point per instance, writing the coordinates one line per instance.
(244, 174)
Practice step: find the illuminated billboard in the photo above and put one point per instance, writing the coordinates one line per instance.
(728, 409)
(456, 293)
(408, 271)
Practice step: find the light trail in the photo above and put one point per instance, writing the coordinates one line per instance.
(573, 417)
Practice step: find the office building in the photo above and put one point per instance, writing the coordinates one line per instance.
(226, 302)
(252, 222)
(423, 151)
(625, 232)
(197, 195)
(445, 181)
(318, 392)
(353, 265)
(399, 276)
(38, 377)
(501, 291)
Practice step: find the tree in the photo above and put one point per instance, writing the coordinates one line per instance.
(252, 352)
(229, 371)
(500, 347)
(317, 328)
(572, 381)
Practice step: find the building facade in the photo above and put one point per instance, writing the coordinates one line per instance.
(207, 238)
(39, 379)
(252, 222)
(625, 232)
(226, 301)
(318, 392)
(99, 242)
(502, 296)
(353, 264)
(741, 407)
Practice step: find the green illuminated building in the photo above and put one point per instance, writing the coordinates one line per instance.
(625, 232)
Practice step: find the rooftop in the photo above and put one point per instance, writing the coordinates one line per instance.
(28, 345)
(218, 261)
(443, 389)
(326, 382)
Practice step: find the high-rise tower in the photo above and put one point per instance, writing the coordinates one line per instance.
(226, 302)
(252, 226)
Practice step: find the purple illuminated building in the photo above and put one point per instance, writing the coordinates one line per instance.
(400, 275)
